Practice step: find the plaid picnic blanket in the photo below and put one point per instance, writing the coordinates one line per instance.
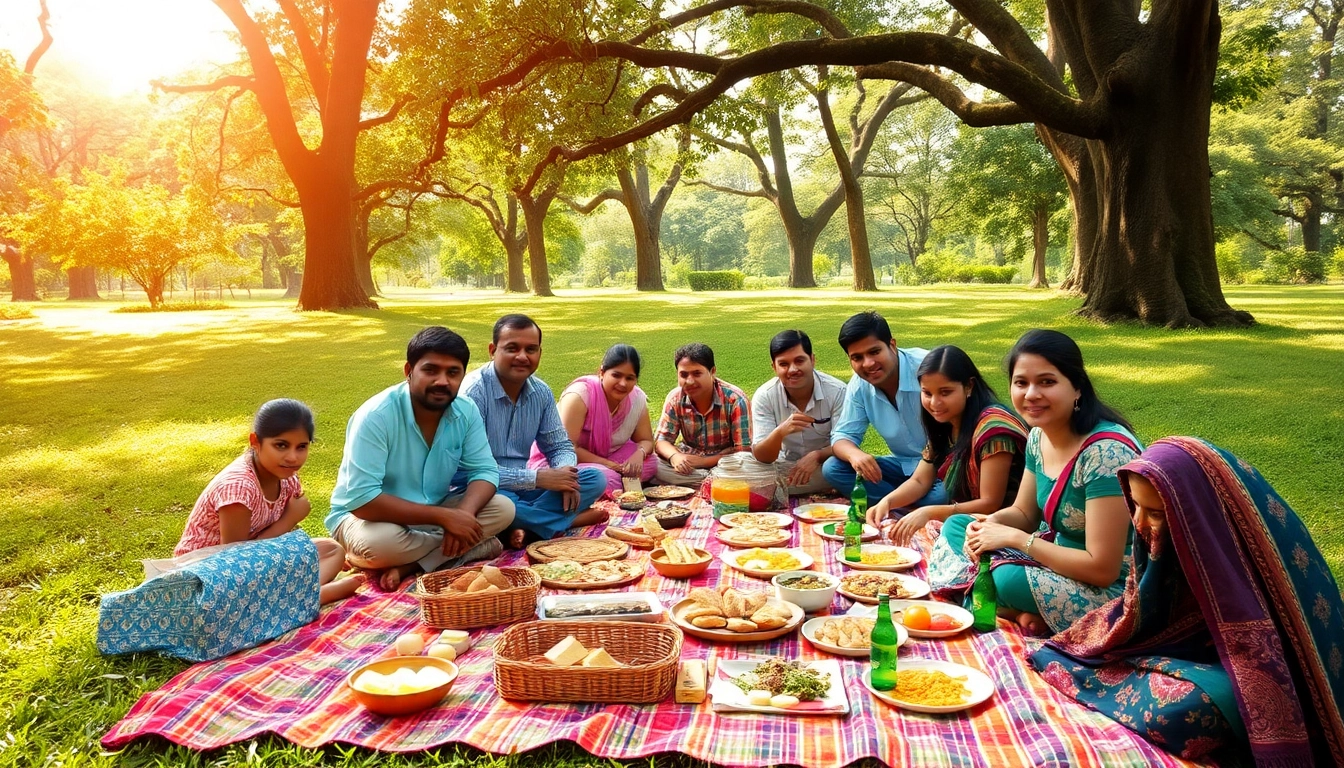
(293, 687)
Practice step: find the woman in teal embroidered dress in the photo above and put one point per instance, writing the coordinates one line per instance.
(1062, 548)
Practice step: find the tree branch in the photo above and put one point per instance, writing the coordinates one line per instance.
(591, 205)
(973, 113)
(662, 89)
(313, 62)
(728, 190)
(45, 44)
(228, 81)
(405, 229)
(389, 115)
(266, 192)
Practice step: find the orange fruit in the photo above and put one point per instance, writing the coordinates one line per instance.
(916, 617)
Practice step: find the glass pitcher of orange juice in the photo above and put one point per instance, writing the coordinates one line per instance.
(729, 495)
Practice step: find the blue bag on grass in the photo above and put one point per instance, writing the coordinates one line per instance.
(236, 598)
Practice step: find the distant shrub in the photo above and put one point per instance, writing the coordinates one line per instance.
(1231, 270)
(906, 275)
(729, 280)
(676, 274)
(15, 312)
(982, 273)
(1293, 265)
(1338, 260)
(768, 282)
(174, 306)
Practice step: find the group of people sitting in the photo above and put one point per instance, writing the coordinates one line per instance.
(1217, 626)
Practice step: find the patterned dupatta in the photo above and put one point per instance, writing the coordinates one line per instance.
(598, 424)
(1230, 604)
(956, 589)
(963, 475)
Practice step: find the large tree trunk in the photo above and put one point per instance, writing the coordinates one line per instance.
(24, 285)
(1311, 222)
(330, 270)
(799, 231)
(83, 283)
(515, 248)
(646, 214)
(1040, 240)
(859, 253)
(1153, 257)
(535, 209)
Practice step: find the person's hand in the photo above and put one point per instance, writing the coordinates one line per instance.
(867, 467)
(570, 500)
(634, 466)
(901, 531)
(681, 463)
(558, 479)
(983, 536)
(794, 424)
(460, 531)
(802, 472)
(878, 514)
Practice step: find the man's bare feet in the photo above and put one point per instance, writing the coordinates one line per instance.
(516, 538)
(1032, 624)
(392, 578)
(339, 589)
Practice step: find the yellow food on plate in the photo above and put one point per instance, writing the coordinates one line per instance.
(768, 560)
(882, 557)
(402, 681)
(930, 688)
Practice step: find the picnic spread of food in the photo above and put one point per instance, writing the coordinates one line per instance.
(584, 643)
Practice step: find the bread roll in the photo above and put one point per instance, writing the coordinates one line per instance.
(479, 584)
(707, 597)
(741, 625)
(710, 622)
(495, 576)
(463, 583)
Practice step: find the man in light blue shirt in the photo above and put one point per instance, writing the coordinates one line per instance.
(883, 393)
(519, 410)
(391, 507)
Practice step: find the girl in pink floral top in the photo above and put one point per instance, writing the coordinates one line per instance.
(259, 495)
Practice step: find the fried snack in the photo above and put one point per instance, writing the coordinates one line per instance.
(679, 552)
(652, 527)
(479, 584)
(701, 610)
(847, 632)
(755, 601)
(707, 597)
(742, 625)
(495, 576)
(463, 583)
(630, 536)
(733, 604)
(710, 622)
(767, 620)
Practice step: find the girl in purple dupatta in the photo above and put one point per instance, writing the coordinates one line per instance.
(1230, 632)
(607, 417)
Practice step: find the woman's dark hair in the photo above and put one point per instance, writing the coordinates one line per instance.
(957, 366)
(786, 340)
(620, 354)
(277, 417)
(863, 325)
(1063, 353)
(438, 340)
(697, 353)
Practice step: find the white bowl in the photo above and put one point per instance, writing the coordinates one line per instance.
(810, 600)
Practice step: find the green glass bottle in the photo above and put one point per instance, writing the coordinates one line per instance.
(984, 598)
(882, 671)
(858, 512)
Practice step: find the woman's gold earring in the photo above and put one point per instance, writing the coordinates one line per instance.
(1075, 406)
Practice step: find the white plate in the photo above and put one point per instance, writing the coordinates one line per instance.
(911, 558)
(804, 512)
(762, 520)
(730, 558)
(812, 626)
(679, 610)
(725, 535)
(869, 532)
(979, 684)
(654, 615)
(915, 588)
(960, 615)
(727, 697)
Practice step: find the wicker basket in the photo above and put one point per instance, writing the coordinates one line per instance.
(468, 610)
(649, 654)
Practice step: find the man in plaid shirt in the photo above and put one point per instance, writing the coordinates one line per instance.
(712, 417)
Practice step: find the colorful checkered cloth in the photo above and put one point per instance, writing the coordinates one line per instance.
(293, 687)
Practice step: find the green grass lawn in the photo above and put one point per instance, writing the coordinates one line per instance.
(111, 424)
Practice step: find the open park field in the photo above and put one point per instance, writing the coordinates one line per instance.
(111, 424)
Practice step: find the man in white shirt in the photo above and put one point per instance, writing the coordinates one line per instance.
(791, 414)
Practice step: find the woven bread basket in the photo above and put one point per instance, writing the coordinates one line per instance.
(468, 610)
(648, 653)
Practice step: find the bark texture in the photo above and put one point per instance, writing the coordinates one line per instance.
(23, 283)
(83, 283)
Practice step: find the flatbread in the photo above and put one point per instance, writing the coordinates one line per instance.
(660, 492)
(580, 550)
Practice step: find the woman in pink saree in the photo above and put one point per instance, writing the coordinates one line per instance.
(607, 417)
